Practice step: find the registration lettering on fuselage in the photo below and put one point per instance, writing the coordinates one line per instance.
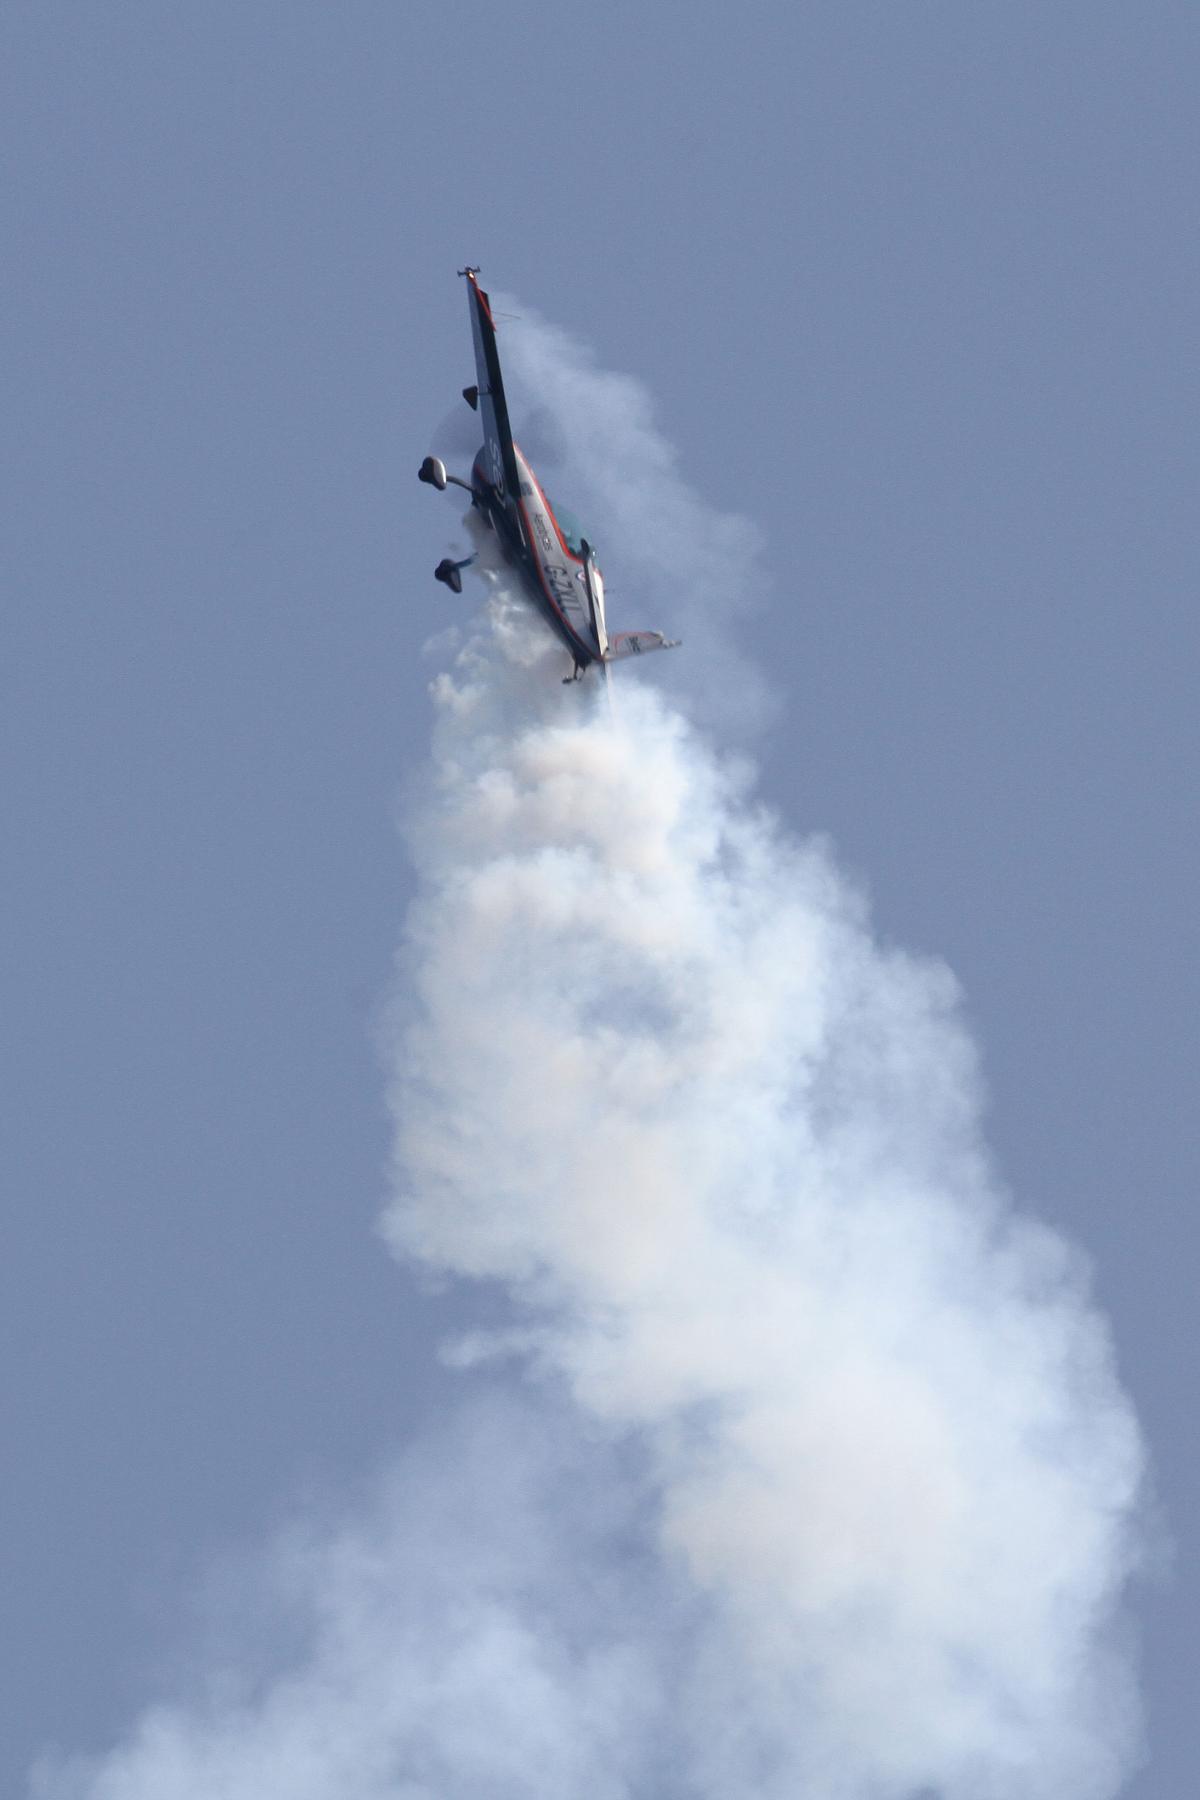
(560, 581)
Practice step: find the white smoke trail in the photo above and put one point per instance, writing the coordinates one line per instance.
(466, 1633)
(724, 1149)
(828, 1485)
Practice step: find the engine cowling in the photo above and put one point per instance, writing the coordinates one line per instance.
(433, 470)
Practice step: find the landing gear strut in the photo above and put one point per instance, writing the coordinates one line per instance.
(433, 471)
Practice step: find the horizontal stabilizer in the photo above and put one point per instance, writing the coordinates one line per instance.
(637, 643)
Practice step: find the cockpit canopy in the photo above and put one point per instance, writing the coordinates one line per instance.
(570, 527)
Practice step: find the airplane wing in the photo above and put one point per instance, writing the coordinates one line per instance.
(493, 408)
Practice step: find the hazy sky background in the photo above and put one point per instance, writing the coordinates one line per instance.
(914, 289)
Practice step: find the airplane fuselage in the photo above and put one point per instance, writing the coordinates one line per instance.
(548, 556)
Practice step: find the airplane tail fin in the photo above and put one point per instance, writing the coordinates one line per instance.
(594, 585)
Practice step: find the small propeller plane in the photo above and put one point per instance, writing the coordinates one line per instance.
(557, 564)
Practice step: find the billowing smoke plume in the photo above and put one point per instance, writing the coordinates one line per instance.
(724, 1151)
(804, 1471)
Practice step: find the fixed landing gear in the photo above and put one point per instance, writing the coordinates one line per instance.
(450, 572)
(575, 675)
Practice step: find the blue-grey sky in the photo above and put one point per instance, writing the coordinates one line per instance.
(913, 289)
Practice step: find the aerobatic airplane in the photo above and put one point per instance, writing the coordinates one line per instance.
(557, 565)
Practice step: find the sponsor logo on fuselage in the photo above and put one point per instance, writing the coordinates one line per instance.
(543, 531)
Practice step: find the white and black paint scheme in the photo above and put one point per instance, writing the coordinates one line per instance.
(557, 564)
